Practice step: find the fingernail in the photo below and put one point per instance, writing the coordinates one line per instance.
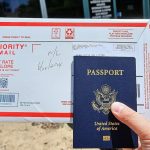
(117, 107)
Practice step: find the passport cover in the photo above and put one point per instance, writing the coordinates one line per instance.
(98, 82)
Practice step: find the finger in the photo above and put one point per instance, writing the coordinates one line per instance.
(145, 144)
(135, 121)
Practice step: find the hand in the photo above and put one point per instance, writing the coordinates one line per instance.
(135, 121)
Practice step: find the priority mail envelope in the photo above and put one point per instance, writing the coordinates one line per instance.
(36, 57)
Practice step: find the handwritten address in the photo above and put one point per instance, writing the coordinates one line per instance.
(52, 60)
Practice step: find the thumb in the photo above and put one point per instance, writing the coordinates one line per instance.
(132, 119)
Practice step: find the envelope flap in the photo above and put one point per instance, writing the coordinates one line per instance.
(72, 30)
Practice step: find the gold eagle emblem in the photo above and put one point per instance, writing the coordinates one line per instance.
(104, 98)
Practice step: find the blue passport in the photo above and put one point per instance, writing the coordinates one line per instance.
(98, 82)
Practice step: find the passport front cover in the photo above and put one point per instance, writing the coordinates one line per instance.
(98, 82)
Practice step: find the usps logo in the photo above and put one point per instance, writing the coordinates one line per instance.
(69, 33)
(56, 33)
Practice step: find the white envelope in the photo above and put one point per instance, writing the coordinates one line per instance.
(36, 55)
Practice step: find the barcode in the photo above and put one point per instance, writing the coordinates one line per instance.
(7, 98)
(138, 90)
(3, 82)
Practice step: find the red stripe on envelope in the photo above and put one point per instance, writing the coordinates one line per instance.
(76, 24)
(36, 114)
